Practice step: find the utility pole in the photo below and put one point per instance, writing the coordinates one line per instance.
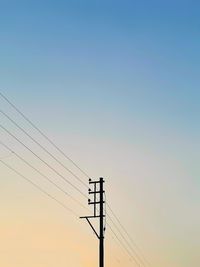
(98, 200)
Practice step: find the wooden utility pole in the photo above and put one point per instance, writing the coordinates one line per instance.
(98, 200)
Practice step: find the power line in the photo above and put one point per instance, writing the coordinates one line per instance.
(132, 253)
(39, 188)
(118, 242)
(127, 243)
(119, 231)
(118, 239)
(122, 245)
(48, 165)
(59, 202)
(43, 134)
(126, 232)
(42, 147)
(38, 157)
(13, 152)
(63, 153)
(43, 175)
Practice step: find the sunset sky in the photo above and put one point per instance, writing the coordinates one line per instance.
(116, 85)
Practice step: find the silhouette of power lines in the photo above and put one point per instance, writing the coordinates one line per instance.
(120, 233)
(38, 187)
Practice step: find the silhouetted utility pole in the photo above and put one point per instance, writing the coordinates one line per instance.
(98, 200)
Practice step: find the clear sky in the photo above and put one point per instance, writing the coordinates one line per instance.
(116, 85)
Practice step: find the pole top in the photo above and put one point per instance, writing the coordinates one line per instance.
(101, 179)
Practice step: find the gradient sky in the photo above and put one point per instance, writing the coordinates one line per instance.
(116, 85)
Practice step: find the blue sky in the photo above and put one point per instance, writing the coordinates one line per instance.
(130, 65)
(142, 56)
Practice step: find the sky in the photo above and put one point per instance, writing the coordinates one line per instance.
(116, 85)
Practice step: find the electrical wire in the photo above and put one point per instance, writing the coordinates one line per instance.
(127, 234)
(105, 211)
(123, 246)
(126, 241)
(48, 165)
(43, 148)
(43, 175)
(64, 154)
(39, 188)
(43, 134)
(40, 158)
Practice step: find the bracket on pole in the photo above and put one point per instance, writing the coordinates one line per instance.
(87, 218)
